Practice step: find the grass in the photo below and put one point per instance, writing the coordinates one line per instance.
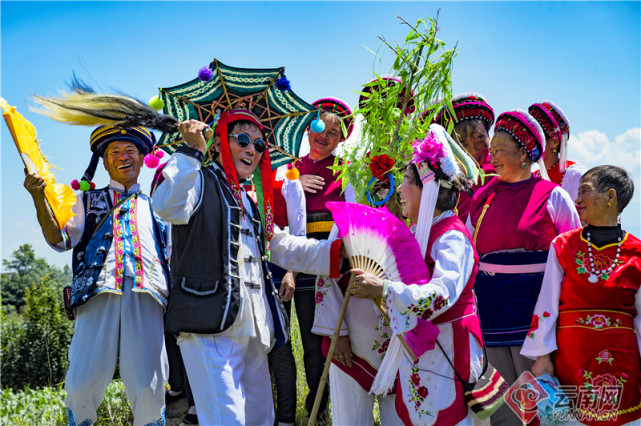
(46, 406)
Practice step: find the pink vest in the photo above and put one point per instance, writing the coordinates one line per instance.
(517, 217)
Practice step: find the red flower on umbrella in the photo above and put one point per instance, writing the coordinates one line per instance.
(380, 165)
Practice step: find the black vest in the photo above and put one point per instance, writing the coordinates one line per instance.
(205, 297)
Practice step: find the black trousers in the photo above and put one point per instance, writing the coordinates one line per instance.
(313, 358)
(178, 381)
(283, 365)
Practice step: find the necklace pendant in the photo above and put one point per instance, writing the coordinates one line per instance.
(593, 278)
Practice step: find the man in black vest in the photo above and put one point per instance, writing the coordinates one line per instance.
(121, 280)
(224, 306)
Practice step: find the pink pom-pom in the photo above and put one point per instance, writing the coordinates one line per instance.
(205, 74)
(75, 184)
(151, 161)
(159, 153)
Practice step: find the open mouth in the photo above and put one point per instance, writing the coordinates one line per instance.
(321, 143)
(246, 161)
(124, 166)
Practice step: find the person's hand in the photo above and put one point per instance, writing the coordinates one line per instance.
(287, 287)
(35, 184)
(366, 285)
(543, 365)
(192, 132)
(343, 351)
(312, 183)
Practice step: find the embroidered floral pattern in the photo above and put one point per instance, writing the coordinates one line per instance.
(605, 356)
(535, 323)
(269, 221)
(598, 321)
(604, 387)
(418, 393)
(425, 307)
(322, 287)
(601, 263)
(121, 220)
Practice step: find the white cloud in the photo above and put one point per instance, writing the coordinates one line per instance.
(593, 148)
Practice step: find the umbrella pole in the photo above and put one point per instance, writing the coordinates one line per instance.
(330, 355)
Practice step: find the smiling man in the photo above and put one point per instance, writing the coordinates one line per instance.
(120, 284)
(224, 307)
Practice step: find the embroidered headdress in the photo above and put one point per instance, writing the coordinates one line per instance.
(467, 106)
(341, 109)
(555, 124)
(388, 81)
(102, 136)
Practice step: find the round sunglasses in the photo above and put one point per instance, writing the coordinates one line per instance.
(243, 140)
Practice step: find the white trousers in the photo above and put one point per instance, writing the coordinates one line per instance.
(112, 327)
(353, 405)
(229, 378)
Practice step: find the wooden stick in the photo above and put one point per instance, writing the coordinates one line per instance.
(330, 355)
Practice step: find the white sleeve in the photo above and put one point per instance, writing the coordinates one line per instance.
(571, 179)
(468, 225)
(300, 254)
(178, 196)
(296, 211)
(454, 260)
(73, 229)
(541, 338)
(350, 194)
(562, 211)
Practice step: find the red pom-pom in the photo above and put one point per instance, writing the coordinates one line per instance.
(152, 161)
(75, 184)
(159, 153)
(92, 186)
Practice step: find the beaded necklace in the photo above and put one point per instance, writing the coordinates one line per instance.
(594, 274)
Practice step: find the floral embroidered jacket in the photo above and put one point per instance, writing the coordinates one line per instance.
(135, 251)
(593, 328)
(430, 391)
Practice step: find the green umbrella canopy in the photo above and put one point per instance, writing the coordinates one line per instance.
(283, 114)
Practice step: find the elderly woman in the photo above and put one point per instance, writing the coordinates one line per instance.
(556, 128)
(473, 117)
(588, 313)
(514, 218)
(430, 391)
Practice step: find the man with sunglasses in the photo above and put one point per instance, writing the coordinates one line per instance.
(224, 306)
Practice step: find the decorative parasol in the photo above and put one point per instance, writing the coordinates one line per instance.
(59, 196)
(265, 92)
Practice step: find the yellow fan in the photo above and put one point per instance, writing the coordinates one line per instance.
(59, 196)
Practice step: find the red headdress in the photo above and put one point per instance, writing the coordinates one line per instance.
(262, 175)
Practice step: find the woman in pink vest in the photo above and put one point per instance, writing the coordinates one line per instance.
(514, 218)
(431, 391)
(586, 326)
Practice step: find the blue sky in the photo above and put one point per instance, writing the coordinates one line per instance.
(585, 56)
